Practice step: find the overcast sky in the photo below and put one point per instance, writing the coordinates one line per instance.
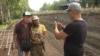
(37, 4)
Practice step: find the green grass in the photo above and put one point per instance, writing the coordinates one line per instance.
(3, 27)
(6, 24)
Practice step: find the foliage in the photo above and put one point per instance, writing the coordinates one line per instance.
(56, 5)
(6, 24)
(10, 9)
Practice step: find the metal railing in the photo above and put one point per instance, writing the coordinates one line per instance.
(6, 40)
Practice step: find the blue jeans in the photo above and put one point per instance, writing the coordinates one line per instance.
(20, 52)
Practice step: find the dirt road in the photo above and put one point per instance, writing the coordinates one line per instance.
(55, 47)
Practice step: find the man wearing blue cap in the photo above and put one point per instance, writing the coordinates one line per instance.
(74, 33)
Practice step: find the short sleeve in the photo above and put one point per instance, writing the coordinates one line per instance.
(16, 29)
(69, 29)
(44, 28)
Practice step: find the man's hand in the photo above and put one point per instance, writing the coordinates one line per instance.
(37, 39)
(55, 25)
(59, 25)
(15, 41)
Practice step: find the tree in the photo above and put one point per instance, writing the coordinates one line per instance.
(54, 6)
(96, 3)
(12, 9)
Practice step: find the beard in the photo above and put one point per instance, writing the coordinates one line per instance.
(35, 24)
